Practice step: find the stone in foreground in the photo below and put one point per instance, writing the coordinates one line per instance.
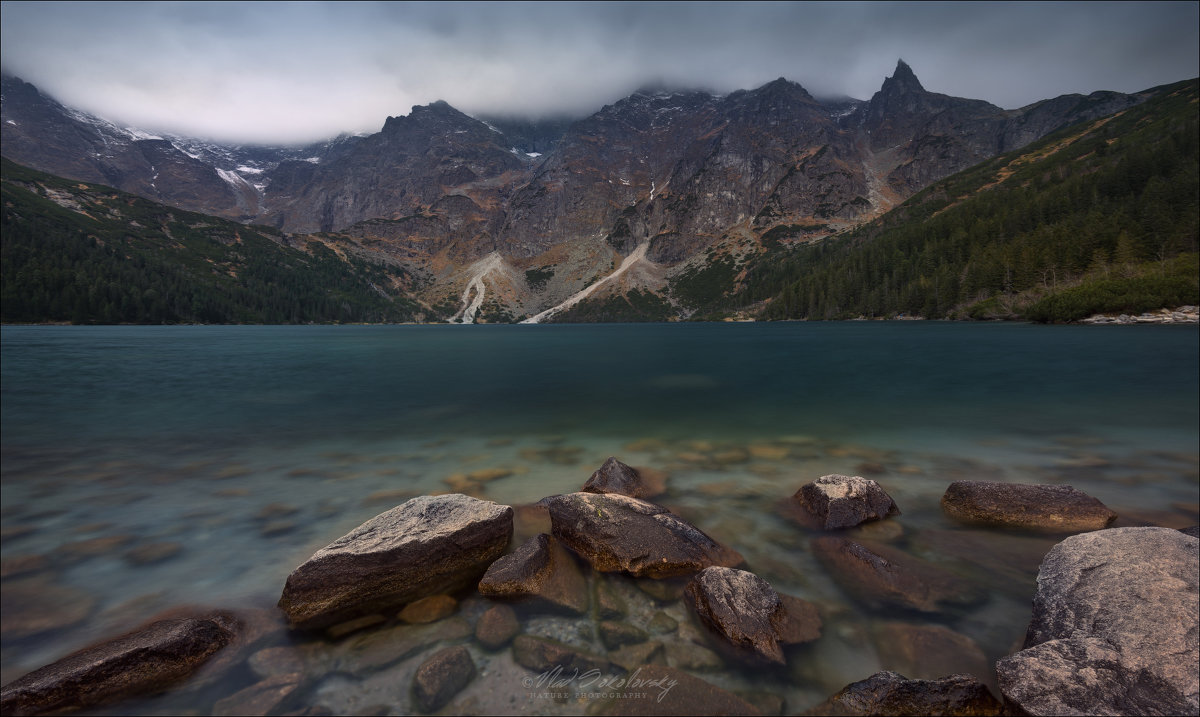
(885, 577)
(889, 693)
(1114, 628)
(542, 573)
(616, 477)
(661, 690)
(748, 616)
(145, 661)
(442, 676)
(618, 533)
(1045, 508)
(428, 545)
(833, 502)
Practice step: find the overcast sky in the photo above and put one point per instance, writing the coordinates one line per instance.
(305, 71)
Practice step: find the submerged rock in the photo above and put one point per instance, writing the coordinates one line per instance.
(144, 661)
(833, 502)
(541, 654)
(1114, 627)
(928, 652)
(618, 533)
(540, 572)
(661, 690)
(616, 477)
(497, 626)
(749, 616)
(428, 609)
(38, 604)
(889, 693)
(263, 698)
(1049, 508)
(442, 676)
(886, 577)
(428, 545)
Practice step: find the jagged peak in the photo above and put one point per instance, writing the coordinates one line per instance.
(903, 79)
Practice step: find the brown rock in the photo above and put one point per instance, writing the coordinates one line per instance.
(497, 626)
(666, 590)
(265, 697)
(146, 660)
(430, 609)
(429, 545)
(273, 661)
(34, 605)
(618, 533)
(371, 651)
(540, 572)
(629, 657)
(1048, 508)
(800, 623)
(341, 629)
(748, 616)
(1113, 629)
(616, 477)
(541, 654)
(888, 693)
(693, 657)
(614, 634)
(886, 577)
(833, 502)
(609, 605)
(665, 690)
(442, 676)
(928, 652)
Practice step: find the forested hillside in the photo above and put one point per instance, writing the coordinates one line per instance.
(1098, 217)
(85, 253)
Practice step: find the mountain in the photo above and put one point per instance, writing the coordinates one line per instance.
(666, 195)
(87, 253)
(1101, 216)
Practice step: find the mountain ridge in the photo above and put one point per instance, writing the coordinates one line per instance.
(685, 174)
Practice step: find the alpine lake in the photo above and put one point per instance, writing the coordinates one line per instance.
(149, 468)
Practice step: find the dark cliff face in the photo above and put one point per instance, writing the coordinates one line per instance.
(414, 161)
(41, 133)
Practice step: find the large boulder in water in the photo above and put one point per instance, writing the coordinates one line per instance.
(540, 572)
(1045, 508)
(1114, 628)
(889, 693)
(616, 477)
(429, 545)
(835, 501)
(751, 619)
(147, 660)
(618, 533)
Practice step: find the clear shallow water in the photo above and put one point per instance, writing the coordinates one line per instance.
(235, 452)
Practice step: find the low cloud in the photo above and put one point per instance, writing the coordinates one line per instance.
(296, 72)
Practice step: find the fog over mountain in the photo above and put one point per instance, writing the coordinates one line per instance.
(273, 72)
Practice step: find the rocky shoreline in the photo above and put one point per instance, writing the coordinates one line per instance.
(426, 589)
(1180, 315)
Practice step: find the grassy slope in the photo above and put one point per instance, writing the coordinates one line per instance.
(86, 253)
(1101, 216)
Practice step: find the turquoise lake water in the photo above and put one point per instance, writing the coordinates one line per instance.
(148, 467)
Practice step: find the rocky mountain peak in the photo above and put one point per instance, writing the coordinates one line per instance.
(903, 80)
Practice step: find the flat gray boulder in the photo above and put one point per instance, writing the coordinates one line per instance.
(1043, 508)
(833, 502)
(616, 477)
(147, 660)
(1114, 628)
(426, 546)
(542, 573)
(889, 693)
(617, 533)
(750, 618)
